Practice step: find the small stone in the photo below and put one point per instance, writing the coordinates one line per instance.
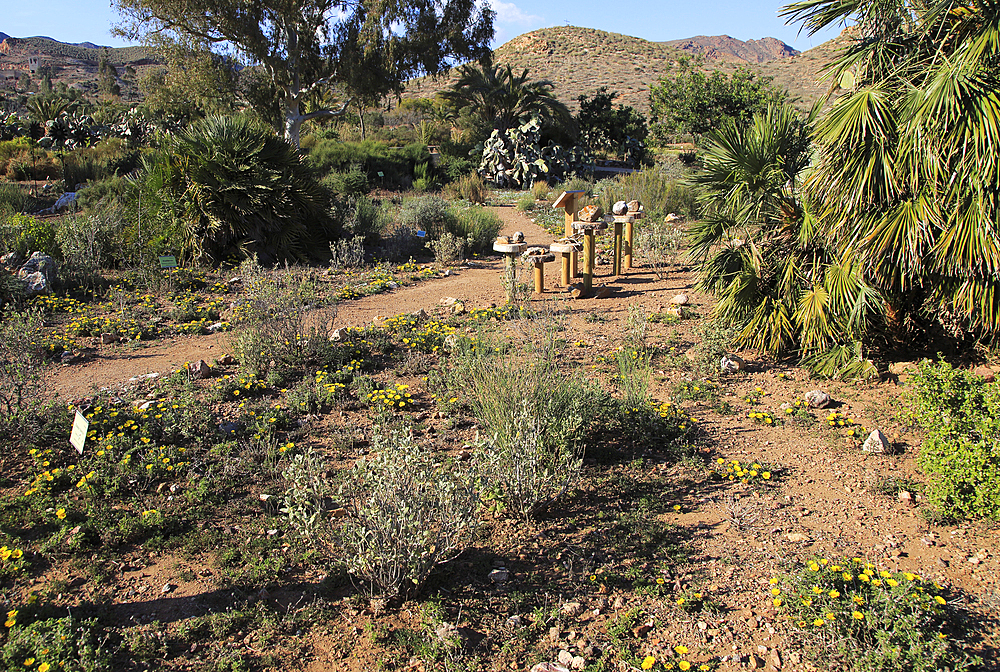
(108, 339)
(635, 206)
(227, 360)
(703, 626)
(518, 237)
(554, 633)
(215, 328)
(565, 657)
(572, 608)
(167, 588)
(499, 575)
(906, 497)
(877, 443)
(680, 300)
(797, 537)
(199, 370)
(458, 308)
(590, 213)
(548, 667)
(754, 662)
(731, 364)
(419, 314)
(578, 663)
(817, 399)
(672, 217)
(774, 660)
(619, 208)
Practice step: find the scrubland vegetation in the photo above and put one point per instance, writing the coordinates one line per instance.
(377, 485)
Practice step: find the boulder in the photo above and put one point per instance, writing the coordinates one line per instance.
(200, 369)
(680, 300)
(590, 213)
(817, 399)
(39, 271)
(877, 443)
(635, 206)
(518, 237)
(619, 208)
(672, 217)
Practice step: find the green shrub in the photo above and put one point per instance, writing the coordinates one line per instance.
(427, 213)
(63, 644)
(13, 198)
(447, 248)
(407, 513)
(868, 620)
(961, 451)
(540, 190)
(526, 203)
(470, 188)
(20, 368)
(478, 226)
(351, 182)
(25, 234)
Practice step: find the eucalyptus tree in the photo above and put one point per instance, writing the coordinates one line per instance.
(366, 47)
(908, 176)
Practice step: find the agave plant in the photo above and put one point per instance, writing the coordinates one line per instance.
(763, 253)
(239, 191)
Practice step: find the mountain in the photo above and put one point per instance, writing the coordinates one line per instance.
(3, 36)
(725, 48)
(578, 61)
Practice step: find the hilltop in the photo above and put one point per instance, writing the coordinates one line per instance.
(578, 61)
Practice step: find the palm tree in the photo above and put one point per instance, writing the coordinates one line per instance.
(760, 249)
(502, 99)
(908, 176)
(45, 107)
(238, 190)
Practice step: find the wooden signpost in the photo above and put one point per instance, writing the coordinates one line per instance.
(570, 202)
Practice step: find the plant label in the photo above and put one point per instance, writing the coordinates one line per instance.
(168, 262)
(421, 234)
(380, 174)
(79, 434)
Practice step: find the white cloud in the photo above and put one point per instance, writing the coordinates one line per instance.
(508, 12)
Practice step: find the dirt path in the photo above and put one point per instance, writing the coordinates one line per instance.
(478, 284)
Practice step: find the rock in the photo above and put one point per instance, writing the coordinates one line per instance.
(447, 301)
(215, 328)
(578, 663)
(518, 237)
(635, 206)
(392, 285)
(338, 334)
(906, 497)
(227, 360)
(680, 300)
(986, 373)
(69, 357)
(167, 588)
(754, 662)
(199, 370)
(817, 399)
(619, 208)
(40, 272)
(107, 339)
(548, 667)
(603, 292)
(903, 368)
(590, 213)
(458, 308)
(446, 272)
(499, 575)
(774, 660)
(676, 311)
(731, 364)
(67, 199)
(673, 217)
(797, 537)
(565, 657)
(877, 443)
(450, 341)
(572, 608)
(419, 314)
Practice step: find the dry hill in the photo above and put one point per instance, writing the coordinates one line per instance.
(578, 61)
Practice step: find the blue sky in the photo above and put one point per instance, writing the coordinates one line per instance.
(91, 20)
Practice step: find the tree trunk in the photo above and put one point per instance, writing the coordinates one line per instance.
(361, 116)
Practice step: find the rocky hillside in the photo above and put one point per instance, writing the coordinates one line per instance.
(578, 61)
(725, 48)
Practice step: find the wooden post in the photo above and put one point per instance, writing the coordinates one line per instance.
(628, 244)
(565, 251)
(509, 252)
(589, 254)
(569, 201)
(616, 263)
(539, 278)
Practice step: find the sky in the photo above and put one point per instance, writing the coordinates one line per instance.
(91, 20)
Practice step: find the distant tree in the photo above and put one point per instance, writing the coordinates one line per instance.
(620, 131)
(686, 101)
(195, 82)
(368, 47)
(492, 98)
(107, 76)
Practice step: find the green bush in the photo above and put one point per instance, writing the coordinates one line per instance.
(868, 620)
(20, 368)
(407, 513)
(351, 182)
(961, 451)
(478, 226)
(13, 198)
(367, 218)
(25, 234)
(427, 213)
(469, 187)
(57, 644)
(526, 203)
